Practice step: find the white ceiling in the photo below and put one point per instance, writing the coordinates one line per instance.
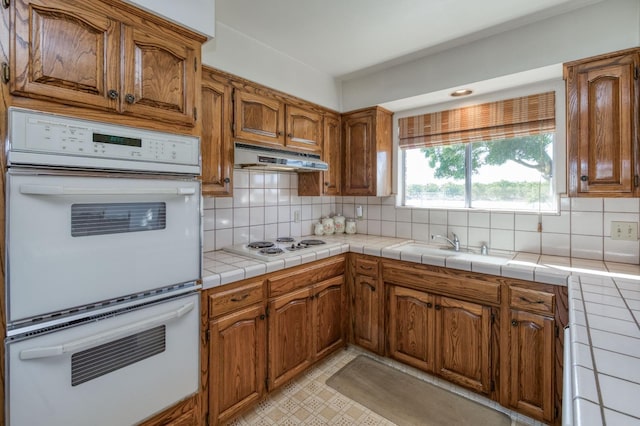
(343, 38)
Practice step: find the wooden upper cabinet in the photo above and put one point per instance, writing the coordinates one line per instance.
(332, 154)
(159, 75)
(103, 56)
(215, 140)
(304, 129)
(65, 52)
(259, 119)
(366, 144)
(602, 102)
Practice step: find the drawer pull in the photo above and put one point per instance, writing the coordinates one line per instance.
(514, 323)
(366, 268)
(239, 299)
(524, 299)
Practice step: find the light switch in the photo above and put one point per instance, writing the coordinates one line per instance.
(624, 231)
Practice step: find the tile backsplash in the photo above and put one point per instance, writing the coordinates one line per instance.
(265, 205)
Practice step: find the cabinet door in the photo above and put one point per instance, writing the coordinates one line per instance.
(410, 327)
(215, 138)
(159, 75)
(258, 119)
(65, 52)
(602, 120)
(237, 367)
(463, 343)
(358, 144)
(289, 336)
(304, 129)
(531, 381)
(328, 316)
(332, 154)
(366, 313)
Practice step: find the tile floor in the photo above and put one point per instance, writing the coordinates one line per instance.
(307, 400)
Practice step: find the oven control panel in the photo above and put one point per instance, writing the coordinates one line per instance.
(47, 139)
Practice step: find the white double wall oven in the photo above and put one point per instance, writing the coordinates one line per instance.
(103, 266)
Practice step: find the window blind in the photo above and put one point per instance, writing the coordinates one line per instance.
(523, 116)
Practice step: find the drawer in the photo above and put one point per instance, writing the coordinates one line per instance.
(305, 275)
(531, 300)
(423, 278)
(232, 299)
(367, 267)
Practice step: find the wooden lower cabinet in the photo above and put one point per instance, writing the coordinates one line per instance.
(289, 338)
(532, 358)
(441, 335)
(463, 343)
(304, 326)
(237, 367)
(366, 304)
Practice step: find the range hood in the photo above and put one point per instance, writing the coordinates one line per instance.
(263, 158)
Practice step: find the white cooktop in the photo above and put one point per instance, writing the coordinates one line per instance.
(280, 248)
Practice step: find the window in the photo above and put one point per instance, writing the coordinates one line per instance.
(489, 156)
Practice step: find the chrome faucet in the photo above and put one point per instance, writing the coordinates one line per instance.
(455, 244)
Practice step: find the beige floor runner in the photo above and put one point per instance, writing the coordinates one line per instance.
(406, 400)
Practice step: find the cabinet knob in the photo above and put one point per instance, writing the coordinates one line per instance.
(438, 307)
(226, 180)
(514, 323)
(290, 135)
(279, 133)
(326, 184)
(584, 178)
(129, 98)
(262, 317)
(429, 304)
(113, 94)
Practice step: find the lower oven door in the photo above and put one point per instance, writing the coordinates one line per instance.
(115, 371)
(94, 239)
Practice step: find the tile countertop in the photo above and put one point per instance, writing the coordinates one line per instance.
(604, 312)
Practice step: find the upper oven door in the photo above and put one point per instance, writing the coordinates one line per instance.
(78, 240)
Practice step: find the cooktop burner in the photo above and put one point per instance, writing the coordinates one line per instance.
(271, 251)
(312, 242)
(260, 244)
(285, 240)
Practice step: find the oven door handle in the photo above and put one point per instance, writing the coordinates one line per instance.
(57, 190)
(106, 336)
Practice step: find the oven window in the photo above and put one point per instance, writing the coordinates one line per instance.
(116, 218)
(100, 360)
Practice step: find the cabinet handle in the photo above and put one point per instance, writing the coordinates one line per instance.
(584, 178)
(129, 98)
(366, 268)
(438, 307)
(429, 304)
(514, 323)
(113, 94)
(262, 317)
(524, 299)
(239, 299)
(226, 180)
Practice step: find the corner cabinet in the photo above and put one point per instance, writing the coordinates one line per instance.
(106, 56)
(216, 143)
(602, 125)
(325, 183)
(366, 147)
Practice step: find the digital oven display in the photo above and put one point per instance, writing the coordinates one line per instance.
(117, 140)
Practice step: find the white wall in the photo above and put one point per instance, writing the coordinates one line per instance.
(199, 15)
(234, 52)
(603, 27)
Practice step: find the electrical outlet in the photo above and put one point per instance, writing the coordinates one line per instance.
(624, 231)
(296, 216)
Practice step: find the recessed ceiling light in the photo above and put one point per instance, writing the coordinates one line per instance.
(462, 92)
